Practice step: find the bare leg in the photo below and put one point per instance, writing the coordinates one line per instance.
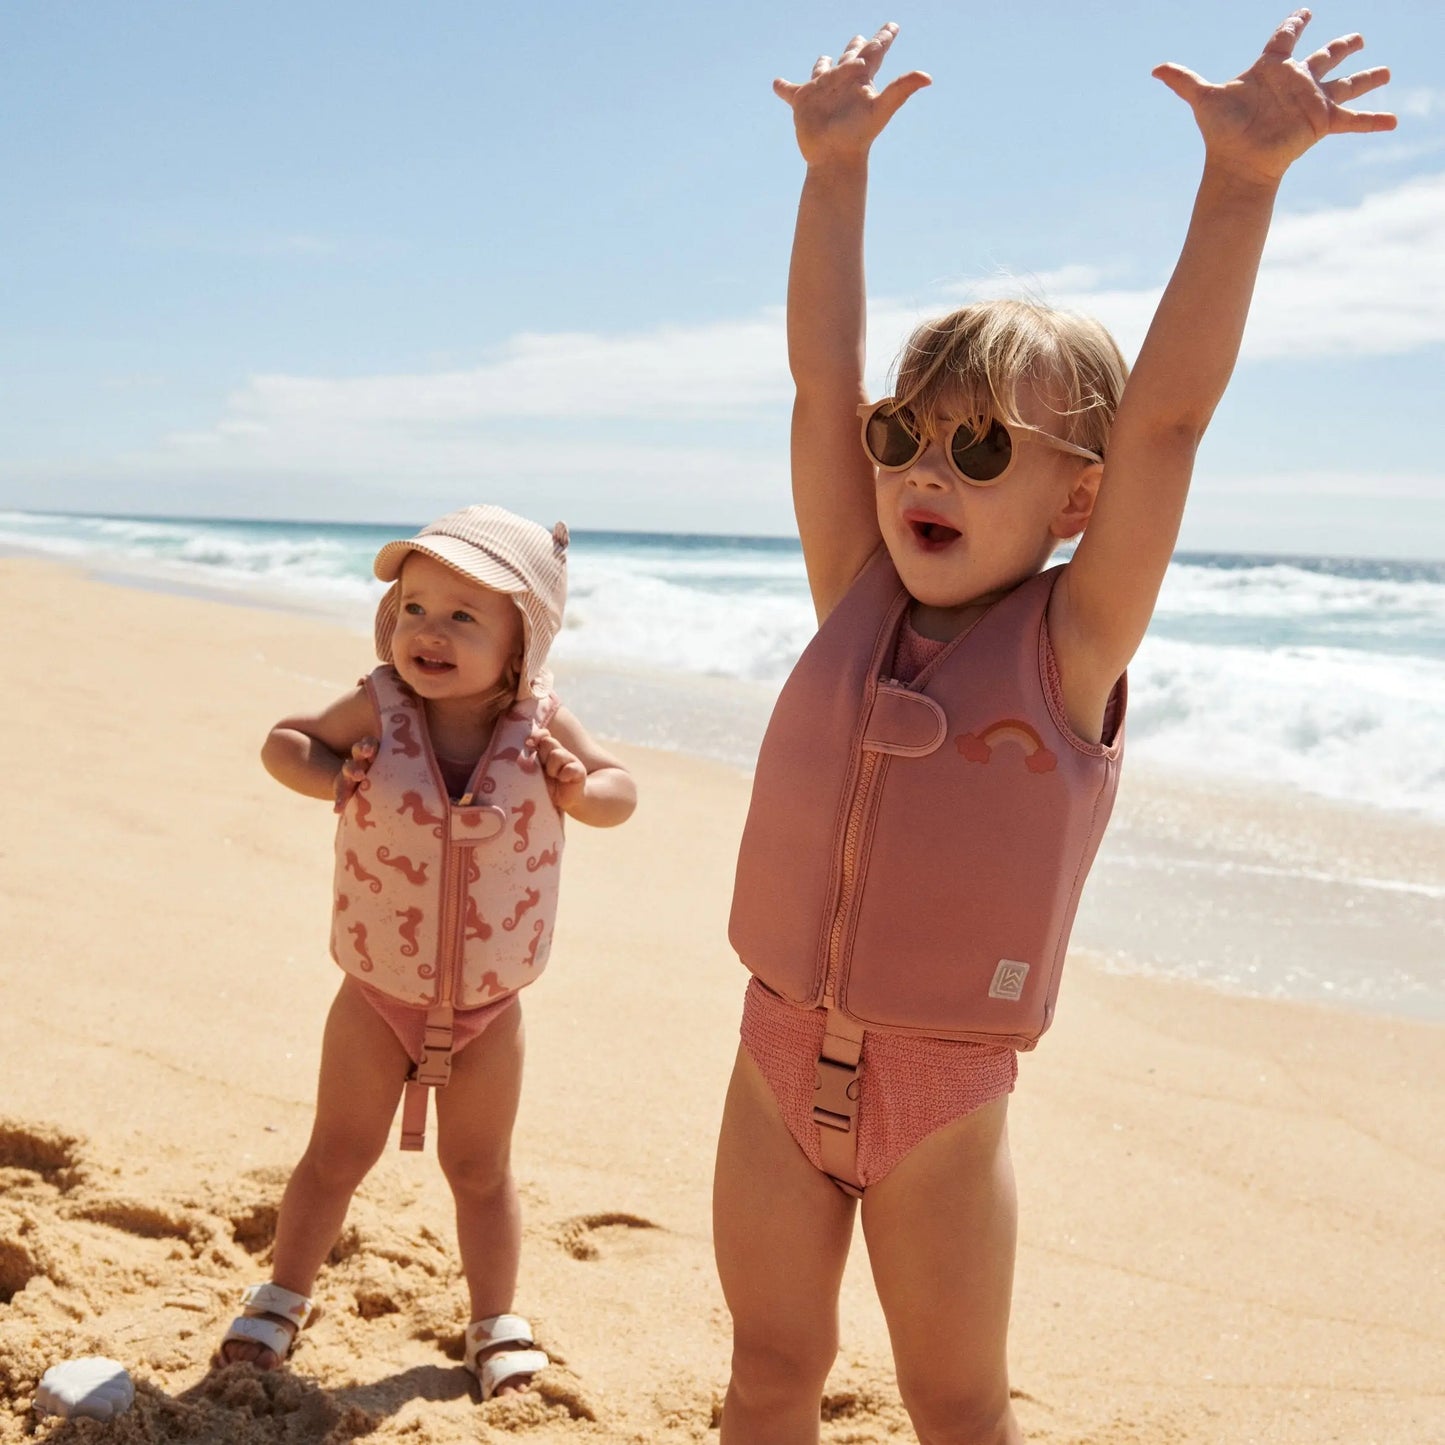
(940, 1231)
(475, 1114)
(363, 1067)
(781, 1231)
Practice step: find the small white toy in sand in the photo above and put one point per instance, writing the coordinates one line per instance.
(94, 1386)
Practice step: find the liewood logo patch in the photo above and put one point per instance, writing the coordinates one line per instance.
(1008, 980)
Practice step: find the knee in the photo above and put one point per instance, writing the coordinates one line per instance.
(476, 1174)
(768, 1372)
(945, 1413)
(341, 1159)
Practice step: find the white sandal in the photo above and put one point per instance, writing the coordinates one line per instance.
(251, 1326)
(514, 1353)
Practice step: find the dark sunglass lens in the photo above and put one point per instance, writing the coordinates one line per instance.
(983, 458)
(891, 439)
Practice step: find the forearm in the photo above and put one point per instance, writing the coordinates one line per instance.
(1193, 343)
(827, 302)
(608, 798)
(301, 762)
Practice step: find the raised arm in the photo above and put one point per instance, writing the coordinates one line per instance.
(1253, 128)
(837, 115)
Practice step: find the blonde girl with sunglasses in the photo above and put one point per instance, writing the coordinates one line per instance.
(941, 764)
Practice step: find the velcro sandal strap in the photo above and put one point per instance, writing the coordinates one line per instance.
(498, 1330)
(506, 1365)
(272, 1299)
(273, 1335)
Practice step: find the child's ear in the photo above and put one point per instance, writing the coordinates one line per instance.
(1078, 507)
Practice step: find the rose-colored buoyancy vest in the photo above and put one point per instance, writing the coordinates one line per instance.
(442, 902)
(922, 847)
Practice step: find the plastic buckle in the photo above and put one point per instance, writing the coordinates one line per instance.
(836, 1103)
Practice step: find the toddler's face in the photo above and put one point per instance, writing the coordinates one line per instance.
(454, 639)
(955, 544)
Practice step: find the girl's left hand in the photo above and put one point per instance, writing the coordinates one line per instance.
(1257, 124)
(566, 774)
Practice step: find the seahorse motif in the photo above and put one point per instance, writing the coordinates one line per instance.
(544, 859)
(538, 929)
(353, 865)
(474, 924)
(415, 872)
(403, 740)
(413, 807)
(426, 970)
(342, 903)
(523, 825)
(410, 919)
(474, 869)
(358, 939)
(525, 758)
(530, 899)
(492, 983)
(362, 811)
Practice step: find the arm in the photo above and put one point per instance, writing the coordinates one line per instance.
(585, 781)
(1253, 128)
(837, 115)
(320, 754)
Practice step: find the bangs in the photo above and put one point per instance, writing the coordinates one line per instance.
(969, 365)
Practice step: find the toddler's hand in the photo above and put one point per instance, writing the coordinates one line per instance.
(1271, 115)
(838, 114)
(354, 769)
(565, 772)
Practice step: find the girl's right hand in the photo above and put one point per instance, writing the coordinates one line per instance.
(354, 769)
(838, 114)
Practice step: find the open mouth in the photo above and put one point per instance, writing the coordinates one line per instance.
(932, 534)
(433, 666)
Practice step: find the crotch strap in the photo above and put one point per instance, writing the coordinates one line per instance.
(835, 1100)
(434, 1070)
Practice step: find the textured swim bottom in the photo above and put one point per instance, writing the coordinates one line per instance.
(408, 1022)
(907, 1086)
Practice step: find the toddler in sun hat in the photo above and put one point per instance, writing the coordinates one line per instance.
(451, 767)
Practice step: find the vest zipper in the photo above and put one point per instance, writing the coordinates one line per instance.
(848, 873)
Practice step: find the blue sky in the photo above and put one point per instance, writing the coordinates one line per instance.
(371, 261)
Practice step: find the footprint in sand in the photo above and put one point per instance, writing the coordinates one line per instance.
(32, 1155)
(589, 1236)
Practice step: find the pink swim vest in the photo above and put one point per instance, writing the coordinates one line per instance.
(922, 848)
(439, 902)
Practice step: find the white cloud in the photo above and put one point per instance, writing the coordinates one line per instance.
(1420, 103)
(705, 406)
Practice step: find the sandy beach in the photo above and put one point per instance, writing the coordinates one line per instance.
(1231, 1207)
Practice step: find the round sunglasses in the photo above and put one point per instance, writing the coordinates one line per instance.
(892, 442)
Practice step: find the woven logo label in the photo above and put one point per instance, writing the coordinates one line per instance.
(1008, 980)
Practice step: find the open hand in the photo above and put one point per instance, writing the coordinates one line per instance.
(1260, 122)
(565, 772)
(838, 114)
(354, 769)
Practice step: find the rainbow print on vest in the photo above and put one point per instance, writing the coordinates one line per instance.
(438, 902)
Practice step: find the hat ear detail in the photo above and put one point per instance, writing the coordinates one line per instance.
(560, 537)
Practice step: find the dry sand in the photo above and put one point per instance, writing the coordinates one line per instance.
(1231, 1209)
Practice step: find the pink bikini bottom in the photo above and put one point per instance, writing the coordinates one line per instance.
(908, 1086)
(408, 1022)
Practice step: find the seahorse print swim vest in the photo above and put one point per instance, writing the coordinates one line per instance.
(916, 853)
(439, 902)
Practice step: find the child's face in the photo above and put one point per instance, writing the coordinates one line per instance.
(454, 638)
(953, 543)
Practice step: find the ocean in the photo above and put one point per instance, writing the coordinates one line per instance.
(1266, 685)
(1321, 674)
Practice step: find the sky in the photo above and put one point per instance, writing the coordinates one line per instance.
(371, 261)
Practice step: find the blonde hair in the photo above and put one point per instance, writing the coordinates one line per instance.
(982, 352)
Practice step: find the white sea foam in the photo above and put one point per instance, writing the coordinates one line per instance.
(1325, 678)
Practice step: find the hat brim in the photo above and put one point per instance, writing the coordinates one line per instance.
(464, 557)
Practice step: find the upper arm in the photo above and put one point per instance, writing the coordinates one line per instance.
(833, 494)
(338, 726)
(1103, 602)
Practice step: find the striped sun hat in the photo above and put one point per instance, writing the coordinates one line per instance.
(504, 552)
